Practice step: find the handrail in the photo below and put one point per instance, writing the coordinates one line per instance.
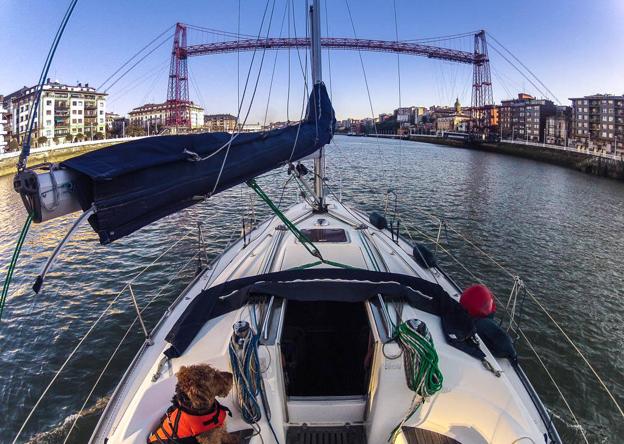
(541, 307)
(89, 331)
(132, 324)
(521, 331)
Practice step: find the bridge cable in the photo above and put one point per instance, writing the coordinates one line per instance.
(138, 62)
(525, 67)
(135, 55)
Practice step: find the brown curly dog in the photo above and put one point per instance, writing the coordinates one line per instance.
(195, 412)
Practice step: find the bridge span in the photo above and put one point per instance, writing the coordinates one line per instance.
(432, 52)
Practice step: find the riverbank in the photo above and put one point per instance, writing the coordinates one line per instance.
(56, 153)
(603, 166)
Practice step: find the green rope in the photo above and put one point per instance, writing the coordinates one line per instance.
(305, 241)
(324, 261)
(420, 359)
(16, 253)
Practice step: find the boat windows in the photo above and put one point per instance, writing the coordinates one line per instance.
(327, 349)
(325, 234)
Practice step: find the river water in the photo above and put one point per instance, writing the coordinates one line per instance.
(559, 230)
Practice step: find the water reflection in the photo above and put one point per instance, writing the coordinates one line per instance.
(558, 229)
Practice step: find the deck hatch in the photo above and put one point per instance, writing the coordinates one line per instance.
(325, 234)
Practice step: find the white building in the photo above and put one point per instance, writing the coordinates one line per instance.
(64, 112)
(153, 116)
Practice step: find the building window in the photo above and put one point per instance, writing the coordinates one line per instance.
(74, 103)
(79, 120)
(79, 111)
(48, 102)
(48, 122)
(48, 112)
(73, 111)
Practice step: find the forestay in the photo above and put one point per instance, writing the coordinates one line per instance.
(133, 184)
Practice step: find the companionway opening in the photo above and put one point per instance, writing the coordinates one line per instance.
(327, 349)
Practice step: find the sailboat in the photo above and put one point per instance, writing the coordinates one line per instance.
(350, 333)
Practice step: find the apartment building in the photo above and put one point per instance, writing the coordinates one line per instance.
(558, 126)
(4, 140)
(524, 118)
(153, 116)
(64, 111)
(598, 123)
(220, 122)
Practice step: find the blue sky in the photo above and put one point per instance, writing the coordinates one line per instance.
(574, 46)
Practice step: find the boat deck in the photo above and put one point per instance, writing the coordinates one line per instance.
(474, 405)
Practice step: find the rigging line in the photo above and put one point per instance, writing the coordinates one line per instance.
(542, 308)
(238, 101)
(396, 33)
(266, 111)
(136, 318)
(253, 93)
(519, 70)
(99, 318)
(331, 93)
(235, 135)
(303, 70)
(137, 62)
(370, 100)
(289, 63)
(525, 67)
(303, 103)
(23, 157)
(135, 55)
(443, 249)
(552, 379)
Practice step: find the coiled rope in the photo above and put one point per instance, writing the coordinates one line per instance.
(247, 376)
(422, 374)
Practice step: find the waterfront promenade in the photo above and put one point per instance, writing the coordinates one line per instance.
(590, 162)
(55, 153)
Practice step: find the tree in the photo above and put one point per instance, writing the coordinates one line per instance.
(13, 145)
(55, 140)
(42, 140)
(135, 131)
(99, 136)
(79, 137)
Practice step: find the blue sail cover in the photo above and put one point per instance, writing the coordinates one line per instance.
(135, 183)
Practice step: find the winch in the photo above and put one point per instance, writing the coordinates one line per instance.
(49, 194)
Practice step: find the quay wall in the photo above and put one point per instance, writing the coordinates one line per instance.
(58, 153)
(603, 166)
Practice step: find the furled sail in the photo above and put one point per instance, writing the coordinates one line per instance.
(132, 184)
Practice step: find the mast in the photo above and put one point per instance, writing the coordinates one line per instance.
(315, 53)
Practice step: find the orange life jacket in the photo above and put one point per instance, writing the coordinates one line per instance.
(180, 425)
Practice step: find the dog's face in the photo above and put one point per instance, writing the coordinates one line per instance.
(199, 385)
